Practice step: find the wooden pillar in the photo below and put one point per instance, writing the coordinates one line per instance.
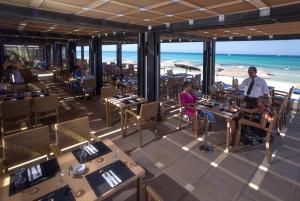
(209, 55)
(96, 62)
(149, 65)
(119, 55)
(1, 58)
(71, 55)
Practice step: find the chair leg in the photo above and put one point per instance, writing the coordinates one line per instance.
(268, 154)
(140, 135)
(238, 135)
(126, 123)
(180, 120)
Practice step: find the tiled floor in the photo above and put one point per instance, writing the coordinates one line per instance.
(181, 172)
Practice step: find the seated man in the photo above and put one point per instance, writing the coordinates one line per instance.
(15, 76)
(253, 87)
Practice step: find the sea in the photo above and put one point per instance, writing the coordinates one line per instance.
(275, 64)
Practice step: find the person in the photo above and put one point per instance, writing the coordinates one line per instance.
(117, 74)
(14, 76)
(87, 75)
(76, 83)
(252, 130)
(189, 100)
(253, 87)
(77, 72)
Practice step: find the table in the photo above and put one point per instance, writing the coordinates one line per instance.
(117, 102)
(78, 184)
(228, 116)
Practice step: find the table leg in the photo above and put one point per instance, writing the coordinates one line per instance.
(196, 128)
(107, 113)
(122, 122)
(228, 135)
(139, 189)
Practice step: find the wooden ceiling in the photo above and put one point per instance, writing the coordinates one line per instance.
(147, 13)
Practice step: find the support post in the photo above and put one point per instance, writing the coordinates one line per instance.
(96, 62)
(82, 53)
(149, 65)
(119, 55)
(1, 58)
(209, 55)
(71, 55)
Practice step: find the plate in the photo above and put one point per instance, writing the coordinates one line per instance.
(79, 169)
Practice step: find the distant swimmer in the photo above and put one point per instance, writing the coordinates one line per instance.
(286, 68)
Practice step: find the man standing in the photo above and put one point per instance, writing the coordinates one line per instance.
(253, 87)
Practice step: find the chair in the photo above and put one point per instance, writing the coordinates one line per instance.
(45, 107)
(281, 119)
(268, 130)
(17, 87)
(147, 117)
(89, 87)
(183, 114)
(37, 86)
(235, 83)
(25, 146)
(14, 112)
(280, 96)
(152, 195)
(106, 92)
(213, 91)
(171, 88)
(71, 133)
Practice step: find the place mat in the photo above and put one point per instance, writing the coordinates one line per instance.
(38, 94)
(48, 168)
(100, 185)
(12, 98)
(121, 96)
(130, 101)
(100, 146)
(62, 194)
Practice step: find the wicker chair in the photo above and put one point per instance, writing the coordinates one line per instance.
(25, 146)
(71, 133)
(280, 96)
(147, 117)
(105, 93)
(235, 83)
(152, 195)
(171, 88)
(268, 130)
(14, 113)
(45, 107)
(89, 87)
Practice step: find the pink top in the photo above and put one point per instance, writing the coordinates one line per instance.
(188, 97)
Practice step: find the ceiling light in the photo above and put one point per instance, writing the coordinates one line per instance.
(161, 41)
(76, 30)
(201, 9)
(249, 37)
(95, 31)
(270, 36)
(149, 27)
(179, 39)
(205, 32)
(23, 24)
(191, 21)
(167, 25)
(86, 8)
(174, 1)
(230, 37)
(104, 1)
(114, 33)
(170, 40)
(251, 29)
(235, 33)
(120, 15)
(169, 15)
(146, 20)
(215, 38)
(142, 9)
(226, 31)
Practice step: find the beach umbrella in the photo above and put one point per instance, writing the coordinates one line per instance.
(187, 67)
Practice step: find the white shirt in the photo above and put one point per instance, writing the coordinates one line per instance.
(260, 87)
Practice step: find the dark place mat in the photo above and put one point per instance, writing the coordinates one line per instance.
(49, 169)
(38, 94)
(99, 184)
(12, 98)
(100, 146)
(62, 194)
(121, 96)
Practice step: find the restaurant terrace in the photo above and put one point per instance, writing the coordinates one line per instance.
(74, 127)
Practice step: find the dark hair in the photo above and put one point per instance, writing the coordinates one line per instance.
(186, 84)
(253, 68)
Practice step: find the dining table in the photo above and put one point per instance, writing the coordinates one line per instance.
(54, 179)
(218, 109)
(121, 102)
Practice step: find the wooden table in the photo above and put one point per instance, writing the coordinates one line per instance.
(228, 116)
(118, 103)
(78, 184)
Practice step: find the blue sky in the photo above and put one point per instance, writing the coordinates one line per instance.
(283, 47)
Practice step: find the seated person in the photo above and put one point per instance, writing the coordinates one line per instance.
(117, 74)
(77, 72)
(189, 100)
(87, 75)
(14, 76)
(252, 127)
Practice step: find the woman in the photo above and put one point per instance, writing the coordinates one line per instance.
(252, 130)
(188, 101)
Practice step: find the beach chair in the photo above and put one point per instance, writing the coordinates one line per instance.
(146, 117)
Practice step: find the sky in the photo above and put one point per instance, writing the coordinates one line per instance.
(276, 47)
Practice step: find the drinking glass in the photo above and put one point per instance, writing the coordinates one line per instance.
(83, 155)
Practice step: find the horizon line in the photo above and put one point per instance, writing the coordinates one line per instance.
(266, 54)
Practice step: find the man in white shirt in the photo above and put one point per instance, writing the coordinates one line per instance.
(253, 87)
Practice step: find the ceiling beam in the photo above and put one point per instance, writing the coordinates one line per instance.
(18, 12)
(40, 35)
(278, 14)
(257, 38)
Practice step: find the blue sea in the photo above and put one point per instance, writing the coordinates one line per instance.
(274, 64)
